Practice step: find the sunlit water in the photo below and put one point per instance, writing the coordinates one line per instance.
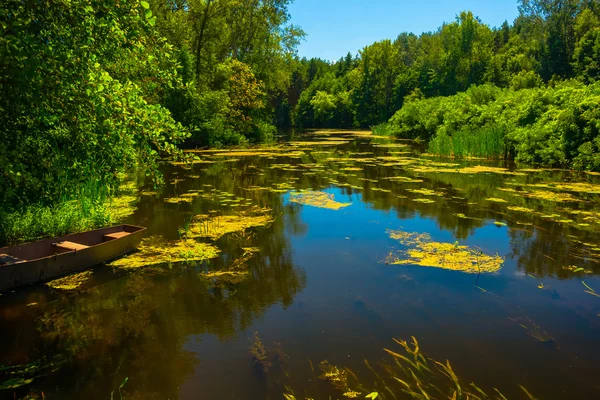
(320, 287)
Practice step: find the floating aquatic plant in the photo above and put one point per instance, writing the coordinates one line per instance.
(424, 201)
(317, 199)
(156, 250)
(578, 187)
(425, 192)
(70, 282)
(319, 143)
(215, 226)
(177, 200)
(428, 253)
(235, 273)
(409, 238)
(121, 207)
(262, 152)
(404, 179)
(551, 196)
(521, 209)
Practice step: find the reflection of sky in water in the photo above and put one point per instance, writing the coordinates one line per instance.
(320, 287)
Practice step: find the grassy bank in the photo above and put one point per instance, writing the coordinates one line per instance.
(92, 208)
(39, 221)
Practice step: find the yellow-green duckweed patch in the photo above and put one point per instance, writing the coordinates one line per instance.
(180, 199)
(404, 179)
(215, 226)
(319, 143)
(121, 207)
(70, 282)
(424, 201)
(521, 209)
(317, 199)
(551, 196)
(455, 257)
(156, 250)
(578, 187)
(425, 192)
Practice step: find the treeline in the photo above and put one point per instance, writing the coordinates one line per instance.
(549, 42)
(91, 88)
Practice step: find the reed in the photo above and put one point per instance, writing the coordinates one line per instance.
(488, 142)
(384, 129)
(408, 373)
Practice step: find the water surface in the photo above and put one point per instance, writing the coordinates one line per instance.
(321, 286)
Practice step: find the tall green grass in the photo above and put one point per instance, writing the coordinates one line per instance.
(40, 221)
(488, 142)
(384, 129)
(73, 212)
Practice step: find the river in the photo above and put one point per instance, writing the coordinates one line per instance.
(364, 240)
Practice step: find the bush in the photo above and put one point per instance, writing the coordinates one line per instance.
(73, 103)
(553, 126)
(265, 132)
(384, 129)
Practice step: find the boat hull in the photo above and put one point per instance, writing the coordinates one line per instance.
(47, 267)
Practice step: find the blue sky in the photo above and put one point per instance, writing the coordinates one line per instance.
(335, 27)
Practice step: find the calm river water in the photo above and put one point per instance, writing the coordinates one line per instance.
(325, 283)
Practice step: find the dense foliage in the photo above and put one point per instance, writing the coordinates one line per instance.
(509, 100)
(93, 88)
(73, 110)
(558, 125)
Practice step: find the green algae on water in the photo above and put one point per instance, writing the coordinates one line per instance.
(424, 201)
(215, 226)
(70, 282)
(427, 253)
(156, 250)
(317, 199)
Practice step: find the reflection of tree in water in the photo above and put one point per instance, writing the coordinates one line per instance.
(550, 253)
(541, 247)
(136, 326)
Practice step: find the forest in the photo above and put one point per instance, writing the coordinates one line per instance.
(94, 89)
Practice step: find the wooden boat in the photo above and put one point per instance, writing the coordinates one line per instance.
(46, 259)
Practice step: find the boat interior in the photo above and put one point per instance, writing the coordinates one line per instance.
(66, 244)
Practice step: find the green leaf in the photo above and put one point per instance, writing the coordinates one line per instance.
(152, 21)
(100, 87)
(127, 378)
(145, 4)
(148, 14)
(372, 395)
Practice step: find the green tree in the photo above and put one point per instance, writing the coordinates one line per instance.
(75, 109)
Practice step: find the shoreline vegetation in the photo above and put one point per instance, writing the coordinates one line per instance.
(89, 95)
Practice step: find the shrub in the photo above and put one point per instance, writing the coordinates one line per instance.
(551, 126)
